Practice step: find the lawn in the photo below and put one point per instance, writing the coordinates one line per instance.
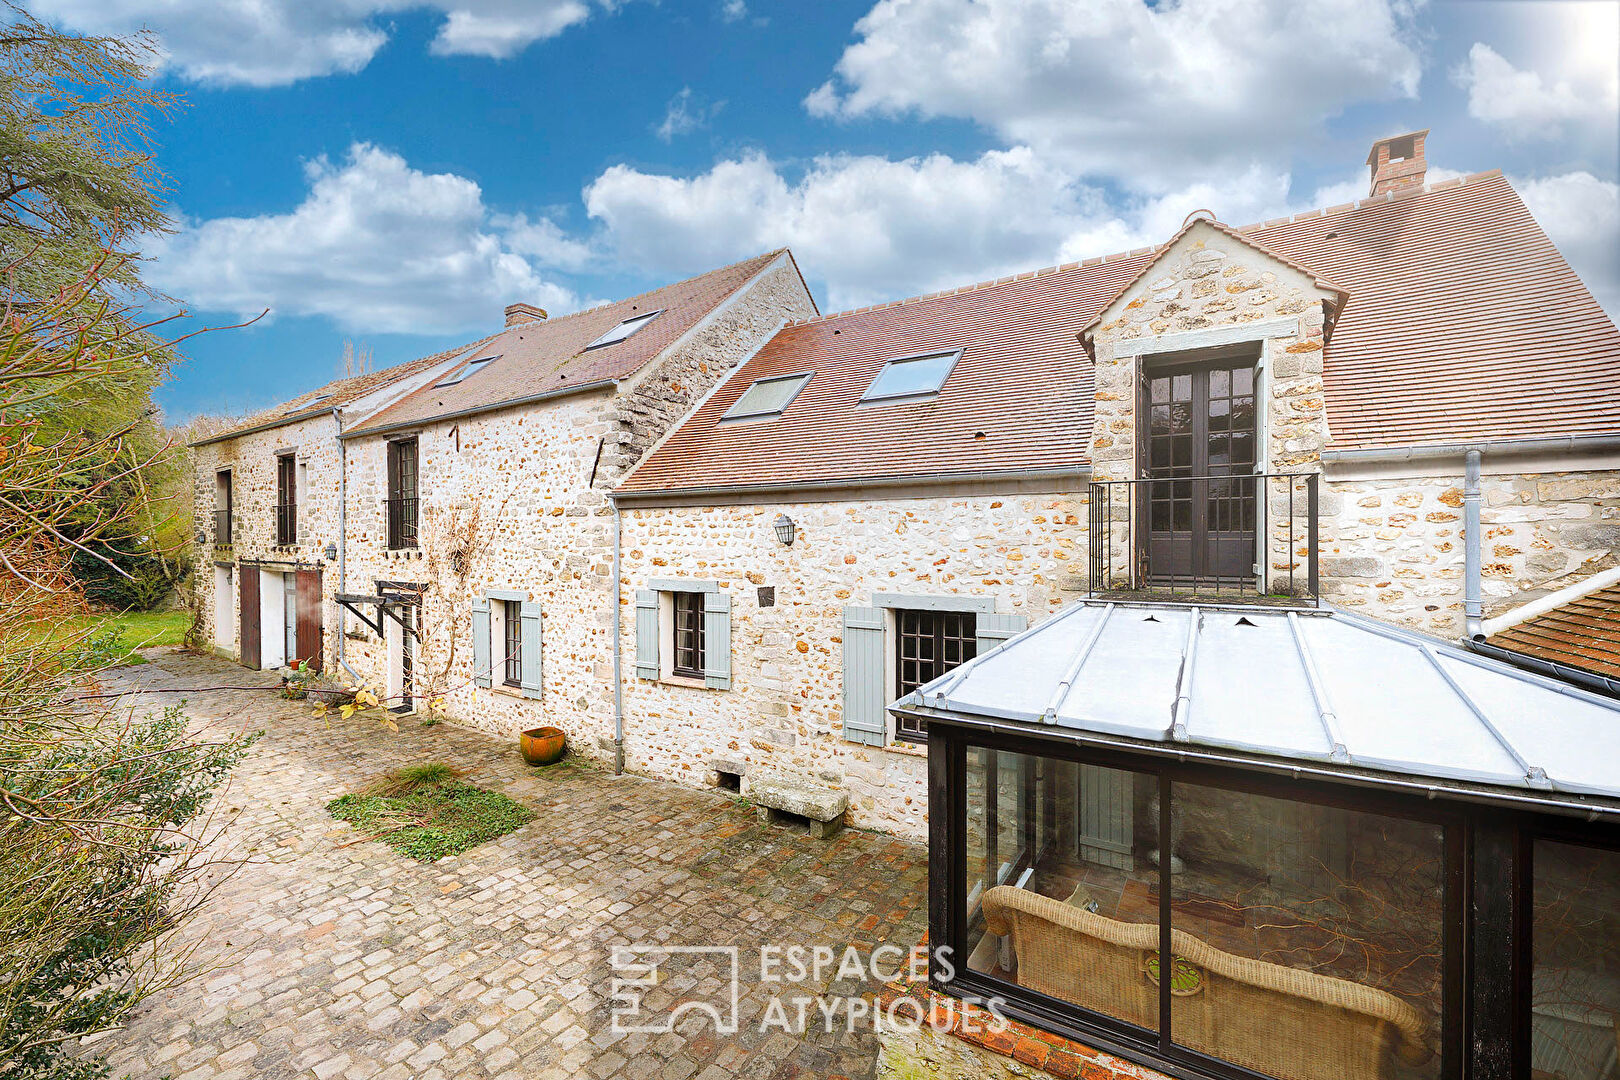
(427, 812)
(136, 630)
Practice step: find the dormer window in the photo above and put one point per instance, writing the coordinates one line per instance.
(767, 397)
(912, 376)
(473, 368)
(623, 330)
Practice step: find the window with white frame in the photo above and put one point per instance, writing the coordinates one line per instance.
(767, 397)
(623, 330)
(683, 633)
(912, 376)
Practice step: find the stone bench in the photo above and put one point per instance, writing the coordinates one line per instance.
(776, 798)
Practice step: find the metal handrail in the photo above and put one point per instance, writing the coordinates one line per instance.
(286, 523)
(1129, 553)
(222, 528)
(402, 522)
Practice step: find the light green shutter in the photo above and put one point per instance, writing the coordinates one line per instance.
(717, 641)
(480, 636)
(529, 629)
(865, 682)
(992, 628)
(646, 634)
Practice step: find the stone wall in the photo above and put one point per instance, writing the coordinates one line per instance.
(784, 711)
(1206, 290)
(516, 499)
(252, 461)
(1392, 546)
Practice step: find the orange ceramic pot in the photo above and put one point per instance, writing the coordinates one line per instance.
(542, 745)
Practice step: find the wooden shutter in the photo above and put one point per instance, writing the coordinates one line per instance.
(717, 641)
(310, 634)
(646, 634)
(992, 628)
(865, 675)
(480, 636)
(249, 585)
(529, 650)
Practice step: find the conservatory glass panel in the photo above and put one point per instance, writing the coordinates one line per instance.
(1308, 939)
(1575, 980)
(1061, 898)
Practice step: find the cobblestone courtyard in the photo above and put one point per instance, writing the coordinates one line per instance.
(336, 958)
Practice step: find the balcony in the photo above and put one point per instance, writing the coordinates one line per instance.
(401, 523)
(286, 524)
(222, 528)
(1248, 537)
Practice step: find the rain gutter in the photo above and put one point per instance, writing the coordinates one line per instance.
(342, 537)
(1568, 444)
(789, 487)
(1590, 680)
(618, 680)
(1473, 591)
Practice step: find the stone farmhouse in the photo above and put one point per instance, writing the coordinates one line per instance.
(833, 560)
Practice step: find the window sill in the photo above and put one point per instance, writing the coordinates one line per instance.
(510, 691)
(907, 749)
(683, 680)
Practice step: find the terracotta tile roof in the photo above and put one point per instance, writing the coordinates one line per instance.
(333, 395)
(1020, 397)
(541, 358)
(1584, 633)
(1463, 323)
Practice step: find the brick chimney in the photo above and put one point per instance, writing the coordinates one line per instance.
(1397, 163)
(518, 314)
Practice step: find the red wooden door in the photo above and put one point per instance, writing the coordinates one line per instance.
(249, 577)
(310, 640)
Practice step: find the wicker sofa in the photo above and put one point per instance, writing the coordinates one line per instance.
(1287, 1023)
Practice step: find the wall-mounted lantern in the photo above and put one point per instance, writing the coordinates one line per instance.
(784, 529)
(331, 552)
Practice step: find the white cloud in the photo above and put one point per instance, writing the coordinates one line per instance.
(685, 114)
(1581, 215)
(276, 42)
(1151, 95)
(544, 242)
(734, 10)
(376, 246)
(1527, 106)
(875, 229)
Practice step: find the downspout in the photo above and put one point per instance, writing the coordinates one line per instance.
(342, 539)
(618, 682)
(1473, 600)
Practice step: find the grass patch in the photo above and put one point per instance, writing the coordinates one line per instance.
(427, 812)
(134, 630)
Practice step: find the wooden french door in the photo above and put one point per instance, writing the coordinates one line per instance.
(248, 576)
(1202, 508)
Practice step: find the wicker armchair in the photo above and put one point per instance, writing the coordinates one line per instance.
(1287, 1023)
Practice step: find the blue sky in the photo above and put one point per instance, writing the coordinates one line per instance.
(393, 172)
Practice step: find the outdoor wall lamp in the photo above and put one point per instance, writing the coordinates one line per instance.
(331, 553)
(202, 538)
(784, 529)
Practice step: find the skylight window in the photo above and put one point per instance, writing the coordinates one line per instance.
(912, 376)
(472, 368)
(768, 397)
(623, 330)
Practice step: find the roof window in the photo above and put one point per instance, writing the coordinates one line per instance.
(912, 376)
(768, 397)
(623, 330)
(472, 368)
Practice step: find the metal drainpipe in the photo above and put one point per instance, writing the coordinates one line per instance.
(618, 682)
(342, 539)
(1473, 602)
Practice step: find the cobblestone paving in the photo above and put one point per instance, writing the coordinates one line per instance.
(337, 958)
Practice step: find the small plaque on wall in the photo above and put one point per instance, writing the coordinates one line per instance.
(767, 596)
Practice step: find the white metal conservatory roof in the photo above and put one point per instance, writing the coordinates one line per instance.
(1320, 686)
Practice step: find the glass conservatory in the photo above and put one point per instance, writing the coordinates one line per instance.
(1365, 852)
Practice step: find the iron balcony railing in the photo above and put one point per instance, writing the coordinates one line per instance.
(222, 528)
(286, 523)
(401, 522)
(1207, 537)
